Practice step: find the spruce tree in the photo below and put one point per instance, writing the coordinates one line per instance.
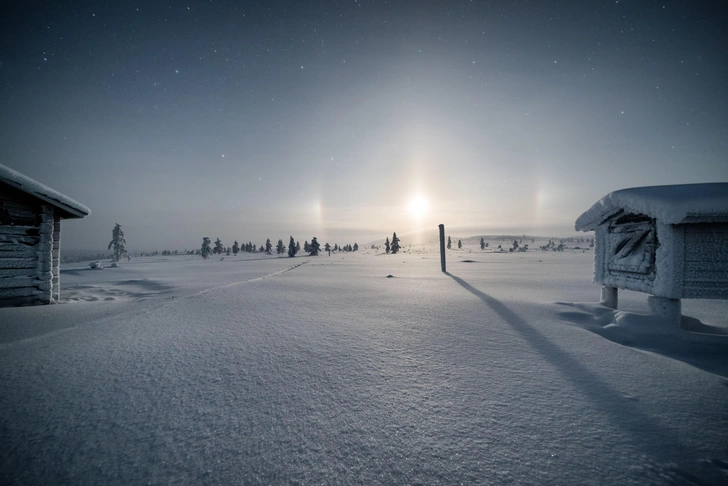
(306, 248)
(298, 246)
(449, 243)
(280, 247)
(395, 243)
(482, 243)
(460, 244)
(118, 242)
(236, 248)
(386, 245)
(218, 247)
(205, 250)
(292, 248)
(268, 247)
(327, 247)
(314, 247)
(356, 247)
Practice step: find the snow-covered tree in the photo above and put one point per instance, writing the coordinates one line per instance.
(280, 247)
(292, 248)
(205, 250)
(449, 243)
(298, 246)
(268, 246)
(306, 248)
(118, 242)
(314, 247)
(460, 244)
(327, 247)
(515, 245)
(261, 249)
(386, 245)
(236, 247)
(356, 247)
(218, 247)
(395, 243)
(482, 243)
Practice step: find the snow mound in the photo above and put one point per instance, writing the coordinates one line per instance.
(694, 342)
(674, 204)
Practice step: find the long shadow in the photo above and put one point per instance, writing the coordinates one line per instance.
(653, 438)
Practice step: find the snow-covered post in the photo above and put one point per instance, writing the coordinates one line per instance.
(442, 246)
(44, 263)
(56, 293)
(609, 297)
(669, 309)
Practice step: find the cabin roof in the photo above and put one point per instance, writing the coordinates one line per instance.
(676, 204)
(13, 178)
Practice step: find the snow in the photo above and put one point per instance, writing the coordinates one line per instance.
(673, 204)
(41, 191)
(269, 370)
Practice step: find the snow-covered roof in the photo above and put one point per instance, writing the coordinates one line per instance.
(15, 179)
(683, 203)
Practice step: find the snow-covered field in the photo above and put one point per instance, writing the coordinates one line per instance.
(256, 369)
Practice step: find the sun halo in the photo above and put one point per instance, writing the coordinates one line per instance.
(418, 207)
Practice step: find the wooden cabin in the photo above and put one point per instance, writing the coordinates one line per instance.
(30, 239)
(668, 241)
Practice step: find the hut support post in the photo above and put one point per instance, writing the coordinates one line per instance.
(669, 309)
(442, 246)
(56, 270)
(610, 297)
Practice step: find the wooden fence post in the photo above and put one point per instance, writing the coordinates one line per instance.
(442, 246)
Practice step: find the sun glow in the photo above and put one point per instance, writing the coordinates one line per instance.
(418, 207)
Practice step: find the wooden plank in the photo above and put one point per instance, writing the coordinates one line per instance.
(17, 272)
(20, 301)
(19, 282)
(21, 292)
(20, 239)
(15, 245)
(27, 252)
(22, 214)
(705, 270)
(702, 293)
(20, 230)
(17, 263)
(15, 204)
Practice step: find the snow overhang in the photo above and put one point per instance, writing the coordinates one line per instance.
(677, 204)
(71, 208)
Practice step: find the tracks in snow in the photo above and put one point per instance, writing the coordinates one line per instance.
(256, 279)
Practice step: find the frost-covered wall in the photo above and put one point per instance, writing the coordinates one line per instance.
(705, 268)
(30, 238)
(669, 241)
(26, 249)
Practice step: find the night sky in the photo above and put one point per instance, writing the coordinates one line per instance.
(252, 120)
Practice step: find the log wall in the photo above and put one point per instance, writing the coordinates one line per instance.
(27, 256)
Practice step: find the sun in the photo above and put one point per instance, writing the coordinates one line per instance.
(418, 207)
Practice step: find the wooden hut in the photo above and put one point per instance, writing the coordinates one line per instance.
(668, 241)
(30, 239)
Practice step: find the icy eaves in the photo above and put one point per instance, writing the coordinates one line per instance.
(43, 192)
(683, 203)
